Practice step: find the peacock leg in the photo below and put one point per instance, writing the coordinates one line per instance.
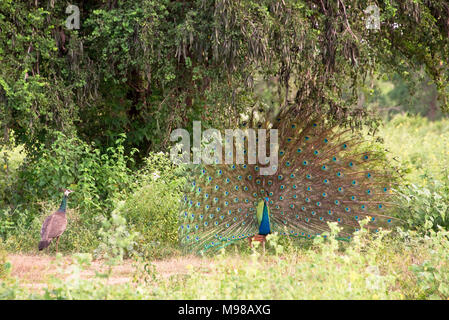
(57, 242)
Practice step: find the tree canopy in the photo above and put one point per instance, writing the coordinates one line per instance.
(146, 67)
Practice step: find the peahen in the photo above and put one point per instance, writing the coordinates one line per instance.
(55, 224)
(326, 173)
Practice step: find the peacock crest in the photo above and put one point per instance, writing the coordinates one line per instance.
(325, 173)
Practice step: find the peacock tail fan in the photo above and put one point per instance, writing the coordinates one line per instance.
(325, 173)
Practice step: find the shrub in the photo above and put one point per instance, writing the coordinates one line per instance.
(424, 208)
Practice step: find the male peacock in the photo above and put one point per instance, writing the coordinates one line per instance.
(55, 224)
(325, 174)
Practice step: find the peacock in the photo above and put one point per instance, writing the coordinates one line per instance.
(55, 224)
(326, 173)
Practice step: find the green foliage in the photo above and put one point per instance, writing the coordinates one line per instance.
(116, 241)
(96, 177)
(424, 207)
(5, 266)
(433, 273)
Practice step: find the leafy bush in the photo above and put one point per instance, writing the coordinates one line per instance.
(97, 177)
(433, 273)
(5, 266)
(424, 207)
(152, 210)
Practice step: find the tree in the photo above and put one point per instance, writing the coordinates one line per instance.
(145, 67)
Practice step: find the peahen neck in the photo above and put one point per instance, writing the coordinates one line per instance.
(63, 205)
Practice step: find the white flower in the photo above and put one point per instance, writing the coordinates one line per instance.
(156, 175)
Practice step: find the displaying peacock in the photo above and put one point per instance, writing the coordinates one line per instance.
(55, 224)
(325, 173)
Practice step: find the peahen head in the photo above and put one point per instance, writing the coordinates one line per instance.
(66, 192)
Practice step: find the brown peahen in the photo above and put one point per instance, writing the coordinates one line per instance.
(326, 173)
(55, 224)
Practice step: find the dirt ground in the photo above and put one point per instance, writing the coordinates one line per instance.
(34, 270)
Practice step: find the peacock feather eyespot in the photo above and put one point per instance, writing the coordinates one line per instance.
(363, 207)
(292, 206)
(287, 163)
(227, 180)
(325, 140)
(281, 198)
(206, 223)
(313, 213)
(316, 152)
(344, 146)
(326, 181)
(339, 174)
(347, 209)
(365, 157)
(298, 150)
(321, 219)
(351, 164)
(380, 206)
(303, 208)
(256, 168)
(258, 181)
(289, 139)
(330, 212)
(293, 126)
(353, 198)
(271, 202)
(389, 220)
(218, 209)
(340, 189)
(373, 219)
(318, 204)
(240, 177)
(270, 182)
(309, 188)
(368, 175)
(250, 177)
(292, 175)
(354, 182)
(281, 153)
(308, 176)
(217, 187)
(339, 220)
(324, 167)
(255, 194)
(280, 177)
(337, 202)
(324, 194)
(356, 217)
(368, 191)
(270, 194)
(245, 188)
(295, 196)
(307, 200)
(306, 138)
(294, 187)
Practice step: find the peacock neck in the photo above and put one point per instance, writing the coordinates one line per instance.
(63, 205)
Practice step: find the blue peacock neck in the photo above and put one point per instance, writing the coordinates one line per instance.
(63, 205)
